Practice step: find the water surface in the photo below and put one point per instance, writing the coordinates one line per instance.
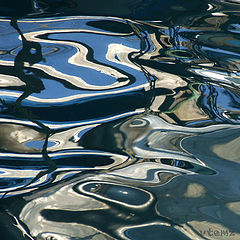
(120, 124)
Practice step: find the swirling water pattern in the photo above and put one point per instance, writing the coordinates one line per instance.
(121, 128)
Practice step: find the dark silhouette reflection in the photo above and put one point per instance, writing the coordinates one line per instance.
(30, 53)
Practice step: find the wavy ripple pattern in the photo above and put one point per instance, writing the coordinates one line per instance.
(113, 128)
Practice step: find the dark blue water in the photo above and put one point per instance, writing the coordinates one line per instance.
(120, 120)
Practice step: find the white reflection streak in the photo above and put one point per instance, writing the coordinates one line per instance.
(68, 98)
(121, 52)
(230, 78)
(8, 80)
(61, 19)
(24, 174)
(21, 228)
(17, 173)
(124, 229)
(141, 170)
(76, 124)
(78, 59)
(151, 198)
(62, 138)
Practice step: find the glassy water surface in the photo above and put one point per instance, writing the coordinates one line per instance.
(122, 122)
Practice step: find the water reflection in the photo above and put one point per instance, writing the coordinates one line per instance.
(115, 128)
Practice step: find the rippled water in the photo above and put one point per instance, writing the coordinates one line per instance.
(122, 122)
